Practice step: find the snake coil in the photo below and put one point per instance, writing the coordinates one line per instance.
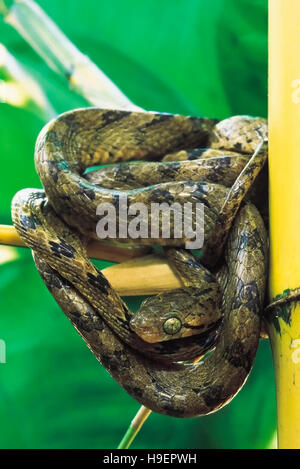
(56, 223)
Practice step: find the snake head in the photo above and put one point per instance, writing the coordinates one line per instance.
(176, 314)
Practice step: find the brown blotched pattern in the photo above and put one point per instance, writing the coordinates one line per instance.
(220, 178)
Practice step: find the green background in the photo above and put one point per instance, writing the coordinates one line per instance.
(199, 57)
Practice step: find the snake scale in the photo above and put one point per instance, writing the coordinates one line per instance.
(192, 159)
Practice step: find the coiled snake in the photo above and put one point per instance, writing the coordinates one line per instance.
(57, 223)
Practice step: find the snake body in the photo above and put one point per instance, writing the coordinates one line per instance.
(87, 137)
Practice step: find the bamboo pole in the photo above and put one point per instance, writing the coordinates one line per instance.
(284, 164)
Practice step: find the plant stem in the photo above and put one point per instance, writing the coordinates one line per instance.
(63, 57)
(134, 427)
(20, 89)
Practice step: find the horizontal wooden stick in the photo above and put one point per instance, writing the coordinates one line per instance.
(136, 275)
(146, 275)
(96, 249)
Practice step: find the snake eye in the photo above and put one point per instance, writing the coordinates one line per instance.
(172, 325)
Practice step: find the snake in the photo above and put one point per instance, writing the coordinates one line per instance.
(191, 159)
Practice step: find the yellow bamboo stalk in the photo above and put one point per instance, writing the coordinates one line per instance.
(284, 162)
